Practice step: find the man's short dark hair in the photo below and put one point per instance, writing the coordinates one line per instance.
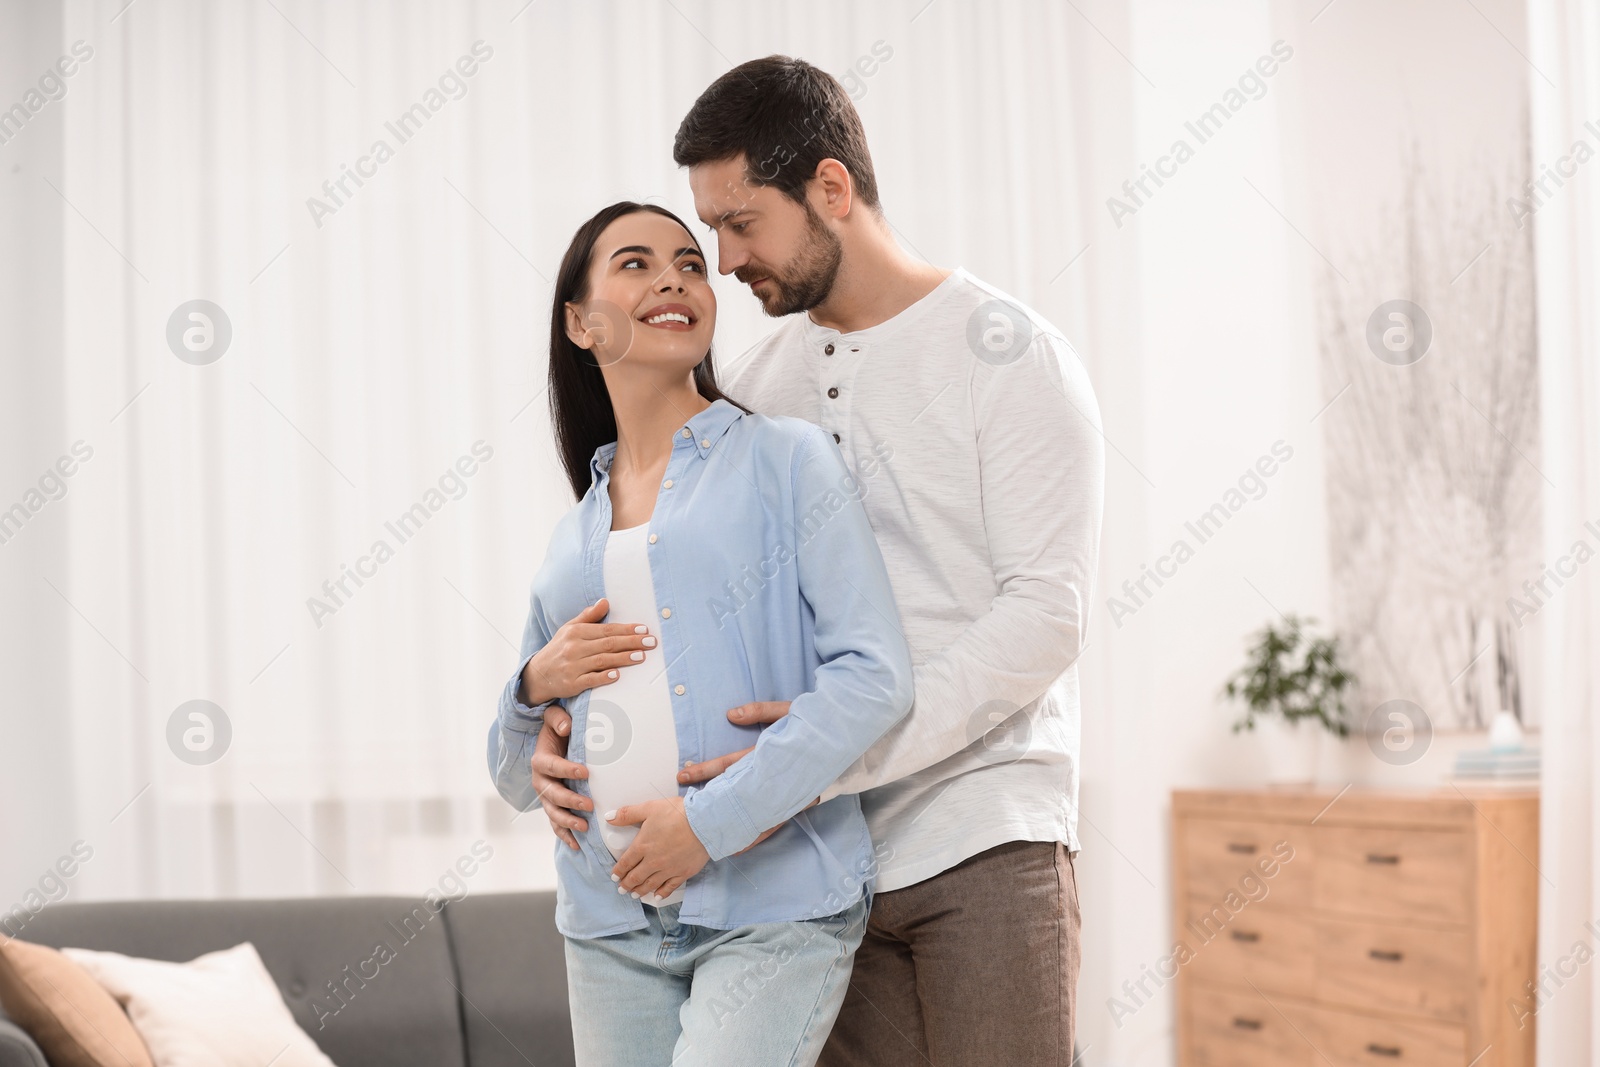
(784, 116)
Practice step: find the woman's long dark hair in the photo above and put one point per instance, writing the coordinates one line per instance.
(580, 404)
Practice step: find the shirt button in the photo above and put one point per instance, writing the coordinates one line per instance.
(832, 393)
(828, 351)
(705, 444)
(686, 432)
(666, 613)
(652, 539)
(678, 689)
(667, 484)
(835, 438)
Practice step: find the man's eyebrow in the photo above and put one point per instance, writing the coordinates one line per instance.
(728, 214)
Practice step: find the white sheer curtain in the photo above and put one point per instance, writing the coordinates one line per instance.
(1565, 49)
(388, 335)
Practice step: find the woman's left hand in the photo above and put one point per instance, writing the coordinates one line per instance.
(664, 854)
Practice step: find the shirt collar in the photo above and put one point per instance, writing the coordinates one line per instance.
(704, 431)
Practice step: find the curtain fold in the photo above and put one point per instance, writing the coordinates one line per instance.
(1565, 49)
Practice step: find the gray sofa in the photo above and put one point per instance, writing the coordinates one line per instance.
(480, 984)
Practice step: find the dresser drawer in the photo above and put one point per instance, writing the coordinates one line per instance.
(1240, 1030)
(1346, 1039)
(1274, 950)
(1271, 861)
(1391, 967)
(1394, 873)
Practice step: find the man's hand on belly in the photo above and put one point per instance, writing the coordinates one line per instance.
(665, 853)
(763, 712)
(550, 769)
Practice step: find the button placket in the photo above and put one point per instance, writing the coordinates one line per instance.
(849, 369)
(834, 412)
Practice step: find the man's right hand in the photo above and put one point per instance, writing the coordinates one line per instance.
(550, 767)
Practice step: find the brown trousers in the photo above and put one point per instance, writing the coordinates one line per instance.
(977, 965)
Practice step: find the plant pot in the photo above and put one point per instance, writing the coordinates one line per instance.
(1291, 749)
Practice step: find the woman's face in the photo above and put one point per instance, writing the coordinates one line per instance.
(650, 301)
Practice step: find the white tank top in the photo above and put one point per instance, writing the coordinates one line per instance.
(631, 740)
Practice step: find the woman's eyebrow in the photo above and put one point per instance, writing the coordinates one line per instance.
(680, 253)
(641, 249)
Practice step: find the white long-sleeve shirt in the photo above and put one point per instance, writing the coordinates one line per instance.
(975, 440)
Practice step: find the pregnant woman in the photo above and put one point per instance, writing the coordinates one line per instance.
(731, 559)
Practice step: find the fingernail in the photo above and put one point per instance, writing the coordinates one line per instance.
(636, 656)
(610, 815)
(621, 891)
(611, 674)
(649, 642)
(616, 877)
(562, 728)
(641, 629)
(636, 896)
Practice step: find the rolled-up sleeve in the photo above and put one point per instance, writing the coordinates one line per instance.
(863, 685)
(516, 727)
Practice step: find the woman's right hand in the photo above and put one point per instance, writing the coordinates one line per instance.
(584, 654)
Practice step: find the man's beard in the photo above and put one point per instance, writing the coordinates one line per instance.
(808, 278)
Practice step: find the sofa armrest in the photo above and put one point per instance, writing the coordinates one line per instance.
(17, 1048)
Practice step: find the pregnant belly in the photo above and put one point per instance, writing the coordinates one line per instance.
(631, 750)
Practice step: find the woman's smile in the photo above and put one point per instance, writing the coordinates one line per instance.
(670, 317)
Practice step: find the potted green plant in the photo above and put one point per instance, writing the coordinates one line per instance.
(1292, 683)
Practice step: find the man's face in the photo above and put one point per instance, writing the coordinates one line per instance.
(783, 250)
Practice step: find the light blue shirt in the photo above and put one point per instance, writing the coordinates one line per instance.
(770, 586)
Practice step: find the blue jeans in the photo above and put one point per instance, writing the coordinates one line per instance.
(683, 995)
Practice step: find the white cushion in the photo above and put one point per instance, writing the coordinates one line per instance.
(219, 1010)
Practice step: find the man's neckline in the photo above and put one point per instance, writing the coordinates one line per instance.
(910, 313)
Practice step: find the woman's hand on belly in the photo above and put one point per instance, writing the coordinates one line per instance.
(584, 654)
(665, 854)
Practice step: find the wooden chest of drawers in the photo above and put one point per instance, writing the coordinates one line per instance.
(1313, 928)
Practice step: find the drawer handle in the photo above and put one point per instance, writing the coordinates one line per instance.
(1392, 1051)
(1243, 849)
(1246, 935)
(1246, 1024)
(1388, 861)
(1386, 955)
